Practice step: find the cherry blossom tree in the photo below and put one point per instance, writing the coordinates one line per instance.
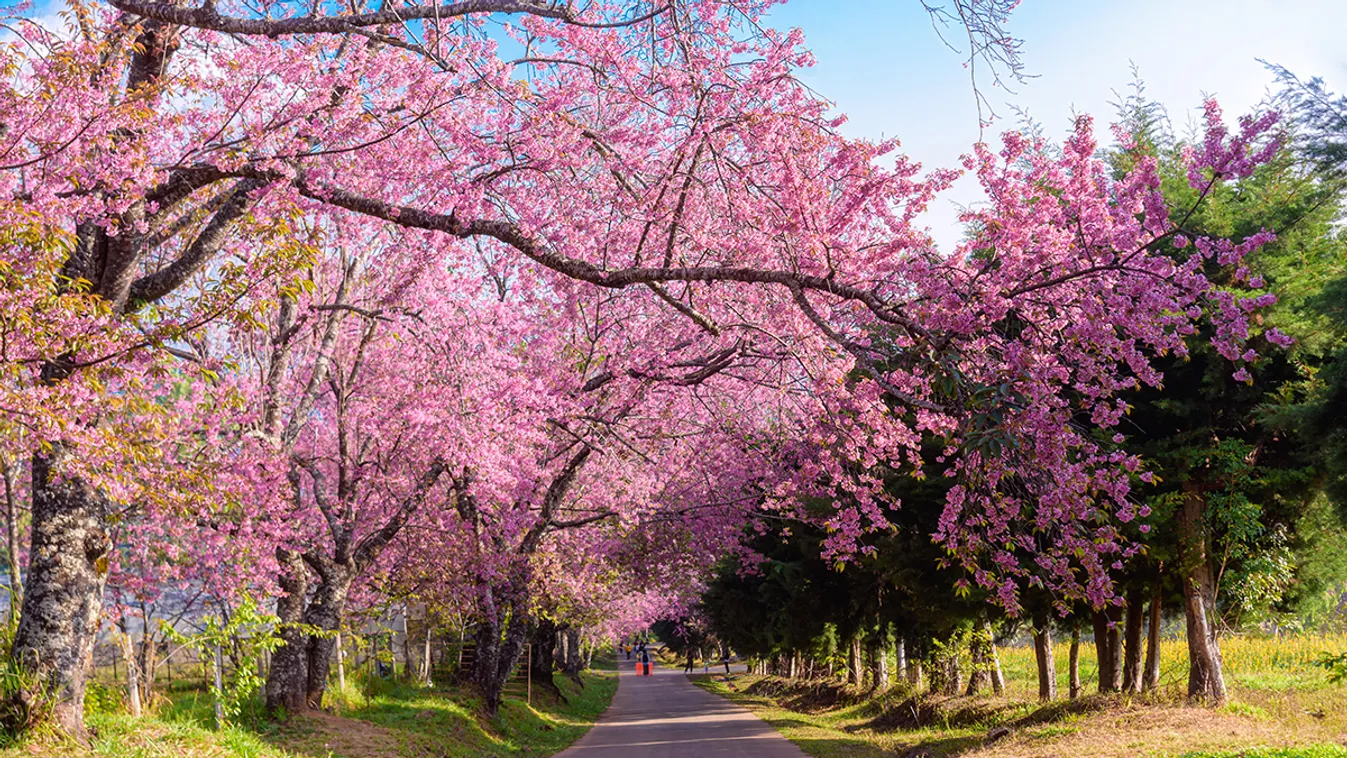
(662, 160)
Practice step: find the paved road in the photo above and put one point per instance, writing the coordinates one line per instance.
(665, 716)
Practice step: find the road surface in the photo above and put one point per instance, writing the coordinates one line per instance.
(666, 716)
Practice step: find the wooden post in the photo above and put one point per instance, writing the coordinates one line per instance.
(425, 656)
(341, 665)
(219, 686)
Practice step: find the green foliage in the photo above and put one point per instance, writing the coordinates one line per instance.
(1246, 449)
(1315, 600)
(102, 699)
(24, 702)
(252, 632)
(1336, 664)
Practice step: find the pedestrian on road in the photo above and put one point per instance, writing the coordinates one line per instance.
(627, 647)
(645, 660)
(725, 658)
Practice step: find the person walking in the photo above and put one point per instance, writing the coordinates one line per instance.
(645, 660)
(725, 658)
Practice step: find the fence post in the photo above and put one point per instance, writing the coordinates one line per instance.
(341, 666)
(219, 686)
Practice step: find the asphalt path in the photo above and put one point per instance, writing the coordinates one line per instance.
(665, 716)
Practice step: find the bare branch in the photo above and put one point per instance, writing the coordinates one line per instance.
(206, 17)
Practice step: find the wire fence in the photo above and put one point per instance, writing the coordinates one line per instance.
(359, 657)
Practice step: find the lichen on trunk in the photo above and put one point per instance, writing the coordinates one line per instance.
(68, 568)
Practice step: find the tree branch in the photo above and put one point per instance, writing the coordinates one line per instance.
(151, 287)
(206, 17)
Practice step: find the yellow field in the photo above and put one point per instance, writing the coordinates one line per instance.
(1251, 663)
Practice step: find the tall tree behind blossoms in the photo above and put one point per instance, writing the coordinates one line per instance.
(664, 152)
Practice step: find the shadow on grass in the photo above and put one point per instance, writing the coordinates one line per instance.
(392, 718)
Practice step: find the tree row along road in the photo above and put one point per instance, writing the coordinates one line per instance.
(666, 716)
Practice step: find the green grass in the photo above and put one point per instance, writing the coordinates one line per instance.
(1313, 751)
(388, 719)
(1282, 706)
(446, 722)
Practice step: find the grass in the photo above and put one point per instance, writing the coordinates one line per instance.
(1316, 751)
(386, 719)
(445, 722)
(1282, 707)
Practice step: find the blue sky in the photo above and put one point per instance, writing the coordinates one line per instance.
(884, 66)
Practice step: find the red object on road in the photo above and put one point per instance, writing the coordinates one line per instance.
(638, 667)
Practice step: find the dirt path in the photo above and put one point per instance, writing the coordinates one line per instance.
(665, 716)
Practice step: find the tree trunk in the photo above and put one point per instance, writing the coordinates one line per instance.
(1108, 649)
(1074, 659)
(543, 657)
(418, 644)
(575, 662)
(500, 640)
(1132, 652)
(148, 659)
(1047, 667)
(953, 674)
(994, 661)
(67, 569)
(326, 612)
(879, 661)
(288, 676)
(12, 542)
(1152, 676)
(855, 673)
(132, 680)
(1206, 680)
(980, 676)
(900, 658)
(486, 657)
